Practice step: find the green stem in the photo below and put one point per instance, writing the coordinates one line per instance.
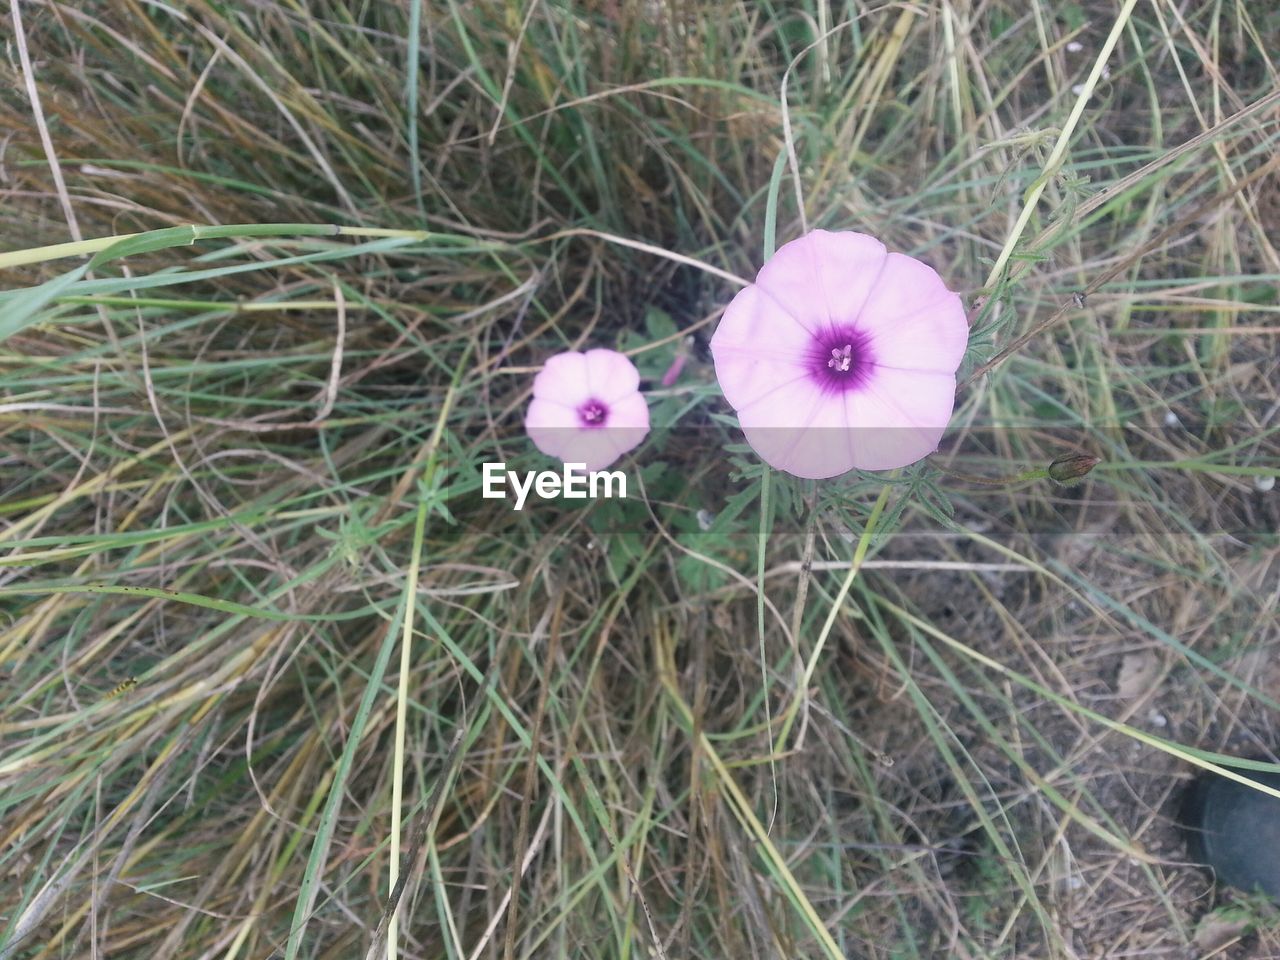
(1037, 473)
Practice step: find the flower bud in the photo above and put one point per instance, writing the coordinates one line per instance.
(1072, 467)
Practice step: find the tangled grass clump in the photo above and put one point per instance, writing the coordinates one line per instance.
(278, 682)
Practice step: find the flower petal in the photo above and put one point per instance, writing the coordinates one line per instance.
(610, 375)
(551, 425)
(629, 413)
(800, 429)
(899, 416)
(564, 379)
(595, 448)
(914, 322)
(823, 278)
(757, 347)
(627, 426)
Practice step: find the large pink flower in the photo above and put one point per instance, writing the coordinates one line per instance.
(587, 408)
(841, 355)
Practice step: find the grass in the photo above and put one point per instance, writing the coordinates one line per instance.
(277, 682)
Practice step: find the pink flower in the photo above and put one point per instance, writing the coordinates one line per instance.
(587, 408)
(841, 355)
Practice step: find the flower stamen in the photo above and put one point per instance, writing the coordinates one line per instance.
(841, 358)
(593, 413)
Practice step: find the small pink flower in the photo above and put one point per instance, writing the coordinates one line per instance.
(841, 355)
(587, 408)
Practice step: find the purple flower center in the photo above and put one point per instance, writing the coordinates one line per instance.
(593, 413)
(840, 359)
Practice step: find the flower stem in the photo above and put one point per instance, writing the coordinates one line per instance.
(766, 521)
(1037, 473)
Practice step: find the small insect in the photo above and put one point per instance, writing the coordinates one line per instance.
(121, 688)
(1078, 299)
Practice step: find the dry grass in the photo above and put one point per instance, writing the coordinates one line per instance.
(238, 471)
